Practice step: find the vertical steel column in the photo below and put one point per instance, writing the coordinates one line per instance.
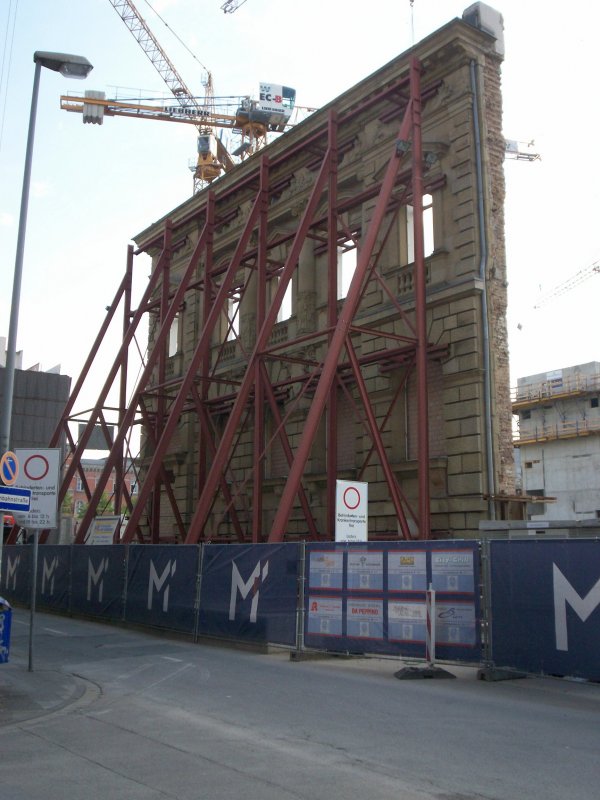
(207, 300)
(420, 304)
(159, 419)
(259, 388)
(119, 466)
(332, 318)
(330, 364)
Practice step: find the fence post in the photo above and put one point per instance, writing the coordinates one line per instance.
(198, 590)
(300, 597)
(430, 631)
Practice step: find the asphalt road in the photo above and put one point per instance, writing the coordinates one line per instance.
(114, 713)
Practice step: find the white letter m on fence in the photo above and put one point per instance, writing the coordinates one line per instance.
(156, 582)
(583, 606)
(253, 582)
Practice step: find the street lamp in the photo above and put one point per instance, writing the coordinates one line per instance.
(71, 67)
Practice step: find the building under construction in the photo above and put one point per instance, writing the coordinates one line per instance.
(332, 308)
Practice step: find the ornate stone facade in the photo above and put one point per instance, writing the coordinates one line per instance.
(261, 216)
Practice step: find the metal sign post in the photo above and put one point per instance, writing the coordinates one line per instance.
(36, 536)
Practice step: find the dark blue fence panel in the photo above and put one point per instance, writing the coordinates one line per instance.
(370, 598)
(53, 577)
(98, 580)
(250, 592)
(16, 573)
(545, 600)
(161, 586)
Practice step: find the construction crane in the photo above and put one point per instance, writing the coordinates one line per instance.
(253, 118)
(520, 151)
(232, 5)
(213, 157)
(94, 106)
(570, 283)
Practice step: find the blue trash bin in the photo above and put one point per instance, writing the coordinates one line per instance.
(5, 622)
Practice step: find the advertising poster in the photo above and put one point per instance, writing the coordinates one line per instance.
(324, 616)
(452, 571)
(365, 570)
(364, 619)
(455, 624)
(407, 622)
(407, 570)
(326, 569)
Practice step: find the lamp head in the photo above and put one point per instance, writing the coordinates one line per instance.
(68, 65)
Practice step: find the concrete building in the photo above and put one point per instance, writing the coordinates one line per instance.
(333, 308)
(39, 398)
(558, 439)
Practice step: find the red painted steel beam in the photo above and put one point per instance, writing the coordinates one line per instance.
(303, 144)
(116, 451)
(348, 312)
(420, 306)
(202, 348)
(119, 472)
(149, 432)
(310, 520)
(377, 440)
(54, 441)
(211, 448)
(206, 498)
(177, 406)
(260, 277)
(120, 359)
(332, 317)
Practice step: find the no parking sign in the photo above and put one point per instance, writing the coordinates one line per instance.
(351, 519)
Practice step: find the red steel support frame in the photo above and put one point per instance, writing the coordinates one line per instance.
(170, 399)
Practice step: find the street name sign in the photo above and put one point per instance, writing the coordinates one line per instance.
(14, 499)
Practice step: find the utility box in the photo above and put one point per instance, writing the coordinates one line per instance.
(5, 623)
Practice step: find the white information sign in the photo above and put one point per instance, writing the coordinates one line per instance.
(103, 530)
(351, 520)
(39, 471)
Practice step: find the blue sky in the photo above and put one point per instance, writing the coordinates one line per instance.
(93, 187)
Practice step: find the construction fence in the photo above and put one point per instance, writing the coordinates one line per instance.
(531, 606)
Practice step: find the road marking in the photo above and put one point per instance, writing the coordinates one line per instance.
(60, 633)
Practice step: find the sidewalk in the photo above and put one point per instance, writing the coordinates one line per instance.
(26, 695)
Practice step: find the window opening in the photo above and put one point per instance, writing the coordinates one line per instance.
(174, 336)
(285, 310)
(428, 243)
(233, 321)
(346, 266)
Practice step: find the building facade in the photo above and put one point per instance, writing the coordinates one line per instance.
(333, 308)
(558, 438)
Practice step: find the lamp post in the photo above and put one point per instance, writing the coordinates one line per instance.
(71, 67)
